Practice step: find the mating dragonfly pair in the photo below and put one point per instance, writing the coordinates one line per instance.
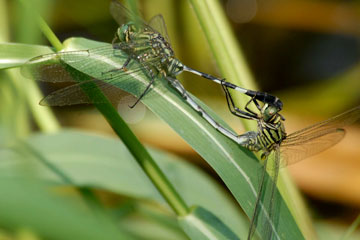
(149, 46)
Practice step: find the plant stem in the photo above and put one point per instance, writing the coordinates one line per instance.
(50, 35)
(224, 46)
(352, 228)
(44, 117)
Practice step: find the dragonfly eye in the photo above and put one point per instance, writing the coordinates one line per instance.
(122, 32)
(125, 30)
(269, 112)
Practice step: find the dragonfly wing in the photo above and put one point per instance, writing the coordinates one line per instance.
(46, 68)
(316, 138)
(72, 95)
(272, 221)
(157, 23)
(266, 214)
(254, 223)
(338, 121)
(122, 15)
(119, 12)
(295, 150)
(101, 63)
(52, 67)
(75, 94)
(110, 84)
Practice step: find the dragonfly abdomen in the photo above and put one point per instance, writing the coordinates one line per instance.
(266, 98)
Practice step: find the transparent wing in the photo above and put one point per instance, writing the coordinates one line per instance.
(271, 223)
(310, 145)
(75, 93)
(103, 64)
(50, 67)
(157, 23)
(316, 138)
(122, 15)
(338, 121)
(266, 214)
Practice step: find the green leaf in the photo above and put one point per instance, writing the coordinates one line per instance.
(149, 221)
(237, 167)
(20, 92)
(93, 161)
(351, 230)
(16, 54)
(25, 203)
(202, 224)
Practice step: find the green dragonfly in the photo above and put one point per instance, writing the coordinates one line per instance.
(147, 45)
(272, 139)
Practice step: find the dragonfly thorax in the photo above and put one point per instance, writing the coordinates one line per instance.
(150, 47)
(271, 130)
(160, 46)
(270, 133)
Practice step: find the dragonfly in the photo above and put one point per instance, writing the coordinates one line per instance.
(271, 138)
(146, 44)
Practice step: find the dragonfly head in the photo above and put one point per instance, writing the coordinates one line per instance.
(270, 113)
(124, 31)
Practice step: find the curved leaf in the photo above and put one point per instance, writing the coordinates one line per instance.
(16, 54)
(202, 224)
(84, 160)
(237, 167)
(28, 204)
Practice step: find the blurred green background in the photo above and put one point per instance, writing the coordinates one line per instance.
(306, 52)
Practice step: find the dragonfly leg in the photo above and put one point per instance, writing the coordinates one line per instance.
(235, 110)
(122, 68)
(113, 42)
(152, 76)
(256, 104)
(117, 46)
